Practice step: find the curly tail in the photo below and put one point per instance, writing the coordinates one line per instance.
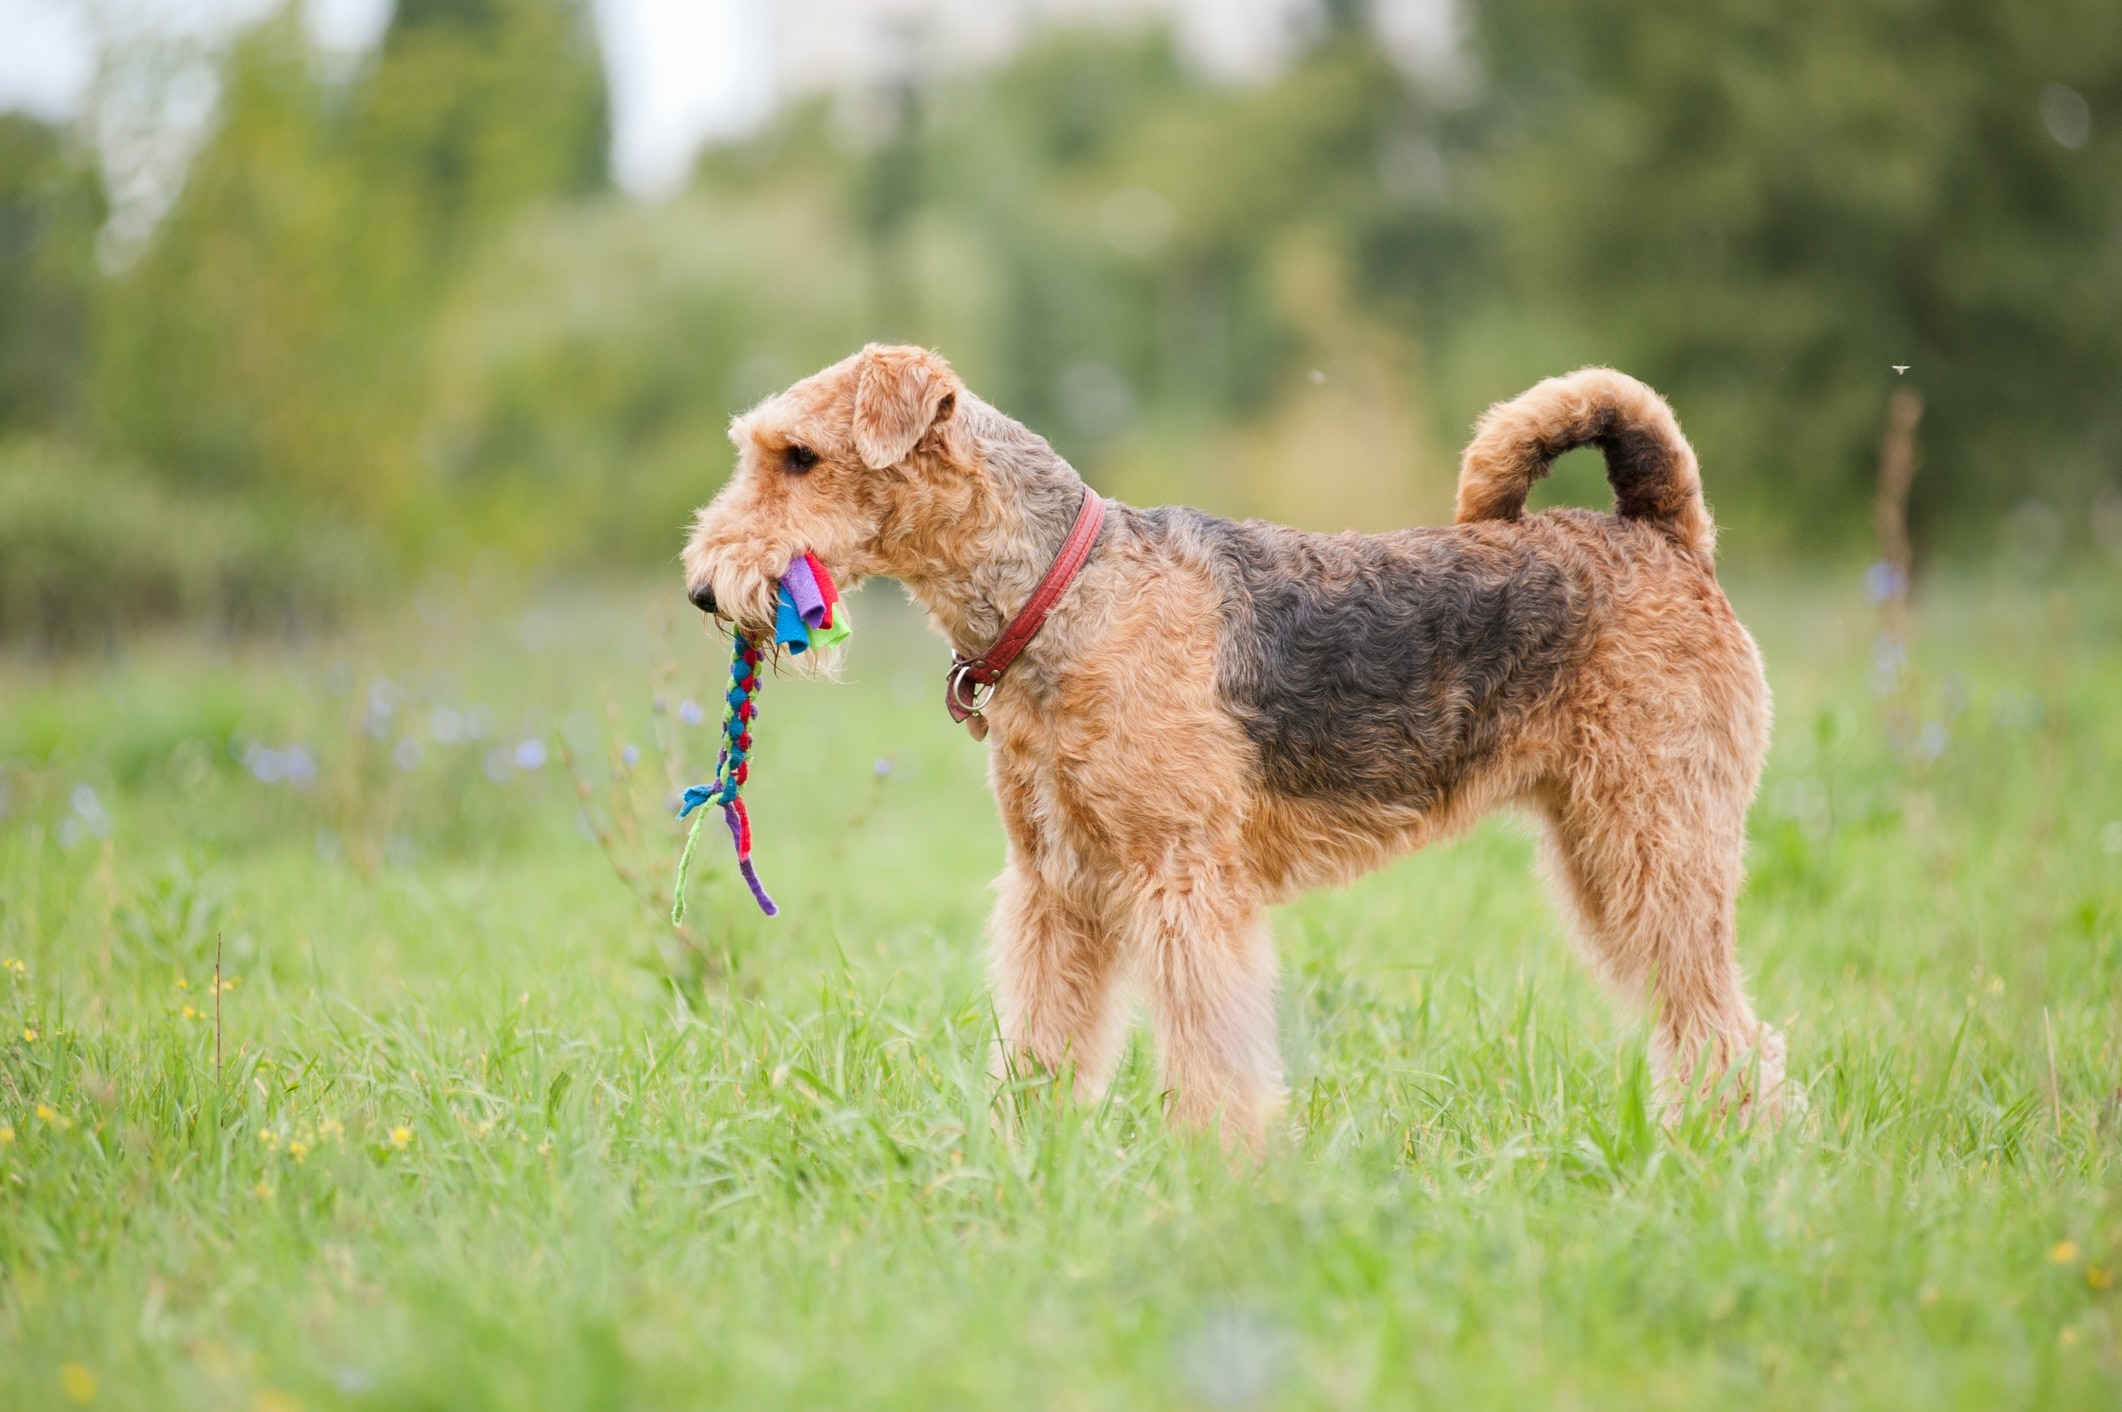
(1648, 462)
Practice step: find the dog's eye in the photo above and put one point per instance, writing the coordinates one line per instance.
(799, 459)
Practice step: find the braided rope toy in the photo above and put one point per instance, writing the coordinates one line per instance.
(808, 616)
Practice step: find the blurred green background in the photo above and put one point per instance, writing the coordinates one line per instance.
(399, 317)
(352, 400)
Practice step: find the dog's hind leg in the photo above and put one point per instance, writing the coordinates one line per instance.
(1056, 972)
(1653, 868)
(1198, 932)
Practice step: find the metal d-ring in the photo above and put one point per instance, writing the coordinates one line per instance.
(970, 694)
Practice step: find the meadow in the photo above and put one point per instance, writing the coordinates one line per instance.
(465, 1124)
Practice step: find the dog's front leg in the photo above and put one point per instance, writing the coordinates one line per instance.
(1199, 931)
(1056, 972)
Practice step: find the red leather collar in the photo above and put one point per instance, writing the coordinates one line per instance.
(972, 680)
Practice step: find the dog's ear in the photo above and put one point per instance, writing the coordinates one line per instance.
(899, 394)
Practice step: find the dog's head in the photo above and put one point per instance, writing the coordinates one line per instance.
(863, 464)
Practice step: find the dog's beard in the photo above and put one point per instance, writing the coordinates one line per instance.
(816, 664)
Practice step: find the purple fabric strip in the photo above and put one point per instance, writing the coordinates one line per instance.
(744, 865)
(802, 585)
(766, 904)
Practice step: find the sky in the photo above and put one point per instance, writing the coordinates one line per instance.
(683, 72)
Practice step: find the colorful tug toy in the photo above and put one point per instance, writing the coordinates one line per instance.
(808, 616)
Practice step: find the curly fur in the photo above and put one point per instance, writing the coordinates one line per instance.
(1217, 716)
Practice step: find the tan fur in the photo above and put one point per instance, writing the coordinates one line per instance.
(1143, 843)
(1515, 440)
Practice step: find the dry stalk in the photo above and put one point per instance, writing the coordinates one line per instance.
(1898, 459)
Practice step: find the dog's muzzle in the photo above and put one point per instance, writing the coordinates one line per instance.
(703, 597)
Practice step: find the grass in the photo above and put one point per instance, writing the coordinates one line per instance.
(487, 1135)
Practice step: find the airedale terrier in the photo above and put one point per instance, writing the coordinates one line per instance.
(1217, 716)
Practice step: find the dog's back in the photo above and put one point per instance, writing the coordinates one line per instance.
(1381, 668)
(1384, 669)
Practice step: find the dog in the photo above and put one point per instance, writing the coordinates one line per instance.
(1217, 716)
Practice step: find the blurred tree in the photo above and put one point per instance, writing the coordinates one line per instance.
(477, 109)
(1164, 277)
(587, 369)
(1761, 207)
(276, 335)
(408, 300)
(1179, 287)
(51, 205)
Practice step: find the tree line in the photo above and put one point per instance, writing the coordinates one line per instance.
(399, 316)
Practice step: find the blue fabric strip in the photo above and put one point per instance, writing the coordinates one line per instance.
(789, 628)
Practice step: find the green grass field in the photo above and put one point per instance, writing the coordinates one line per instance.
(484, 1134)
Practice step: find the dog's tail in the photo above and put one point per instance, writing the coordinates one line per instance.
(1648, 462)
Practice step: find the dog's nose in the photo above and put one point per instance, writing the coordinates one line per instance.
(703, 597)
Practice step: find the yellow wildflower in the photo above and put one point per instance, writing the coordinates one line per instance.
(331, 1128)
(271, 1399)
(78, 1383)
(298, 1150)
(11, 964)
(268, 1137)
(2065, 1251)
(30, 1035)
(264, 1189)
(7, 1134)
(182, 984)
(401, 1137)
(2098, 1277)
(48, 1113)
(190, 1014)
